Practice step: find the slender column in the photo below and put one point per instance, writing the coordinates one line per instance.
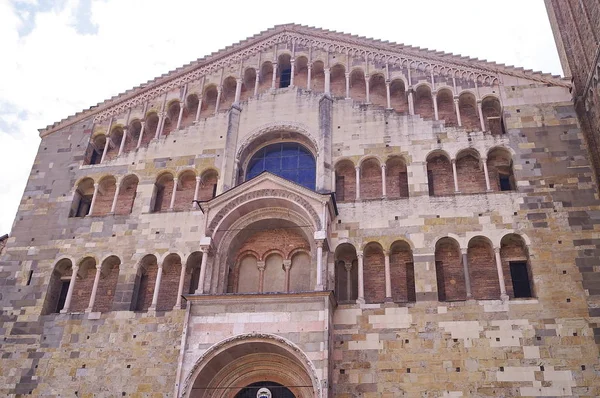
(181, 108)
(123, 139)
(139, 143)
(361, 278)
(196, 192)
(387, 93)
(480, 111)
(159, 126)
(465, 261)
(114, 202)
(180, 288)
(319, 264)
(156, 288)
(261, 275)
(198, 110)
(457, 107)
(293, 68)
(172, 204)
(357, 182)
(487, 174)
(435, 105)
(347, 85)
(327, 81)
(256, 83)
(503, 294)
(287, 264)
(91, 211)
(90, 307)
(67, 306)
(348, 267)
(455, 175)
(202, 276)
(238, 91)
(309, 77)
(367, 88)
(411, 101)
(388, 277)
(219, 90)
(383, 181)
(106, 147)
(274, 78)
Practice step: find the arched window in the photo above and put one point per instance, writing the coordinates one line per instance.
(289, 160)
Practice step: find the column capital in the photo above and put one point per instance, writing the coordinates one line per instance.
(198, 178)
(497, 250)
(162, 114)
(357, 168)
(143, 122)
(125, 128)
(464, 250)
(386, 253)
(239, 80)
(327, 70)
(348, 265)
(319, 242)
(287, 264)
(261, 265)
(453, 160)
(383, 165)
(96, 184)
(359, 254)
(347, 74)
(175, 179)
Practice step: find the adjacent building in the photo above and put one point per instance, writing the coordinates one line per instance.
(308, 213)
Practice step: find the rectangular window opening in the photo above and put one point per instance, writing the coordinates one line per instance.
(520, 279)
(214, 191)
(339, 188)
(29, 276)
(504, 183)
(286, 77)
(62, 298)
(430, 183)
(83, 208)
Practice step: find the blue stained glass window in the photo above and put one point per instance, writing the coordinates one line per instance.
(288, 160)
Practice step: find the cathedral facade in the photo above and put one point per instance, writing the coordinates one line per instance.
(310, 214)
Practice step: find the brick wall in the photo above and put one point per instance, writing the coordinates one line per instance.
(482, 270)
(402, 274)
(396, 179)
(377, 91)
(512, 249)
(105, 197)
(398, 96)
(469, 115)
(470, 175)
(446, 108)
(186, 187)
(346, 188)
(374, 274)
(83, 290)
(449, 271)
(163, 196)
(441, 171)
(107, 286)
(358, 87)
(338, 81)
(424, 103)
(126, 196)
(370, 180)
(498, 162)
(169, 284)
(207, 186)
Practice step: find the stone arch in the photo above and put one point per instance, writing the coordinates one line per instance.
(346, 273)
(345, 180)
(398, 98)
(338, 81)
(467, 104)
(58, 285)
(402, 272)
(145, 280)
(284, 70)
(299, 274)
(190, 110)
(500, 169)
(440, 178)
(492, 115)
(469, 172)
(115, 137)
(105, 195)
(249, 82)
(317, 81)
(374, 272)
(301, 72)
(377, 90)
(370, 179)
(358, 86)
(446, 108)
(228, 93)
(274, 274)
(215, 369)
(209, 101)
(169, 284)
(150, 128)
(424, 101)
(163, 189)
(82, 198)
(208, 184)
(127, 194)
(85, 281)
(107, 284)
(516, 266)
(482, 269)
(193, 263)
(265, 77)
(133, 135)
(186, 188)
(95, 149)
(396, 177)
(451, 282)
(171, 117)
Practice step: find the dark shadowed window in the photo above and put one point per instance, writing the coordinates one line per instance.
(288, 160)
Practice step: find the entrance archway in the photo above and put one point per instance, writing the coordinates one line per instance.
(231, 368)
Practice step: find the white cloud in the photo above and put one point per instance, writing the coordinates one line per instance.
(53, 71)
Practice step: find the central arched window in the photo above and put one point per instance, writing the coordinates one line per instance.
(289, 160)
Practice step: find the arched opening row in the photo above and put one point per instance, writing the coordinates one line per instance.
(479, 272)
(85, 286)
(468, 173)
(112, 195)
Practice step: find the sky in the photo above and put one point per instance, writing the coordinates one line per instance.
(62, 56)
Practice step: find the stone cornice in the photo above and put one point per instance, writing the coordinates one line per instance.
(369, 49)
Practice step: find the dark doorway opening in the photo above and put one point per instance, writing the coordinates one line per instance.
(62, 298)
(286, 77)
(277, 390)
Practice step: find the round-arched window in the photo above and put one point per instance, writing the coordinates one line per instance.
(289, 160)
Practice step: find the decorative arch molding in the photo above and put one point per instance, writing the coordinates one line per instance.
(246, 148)
(295, 353)
(263, 194)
